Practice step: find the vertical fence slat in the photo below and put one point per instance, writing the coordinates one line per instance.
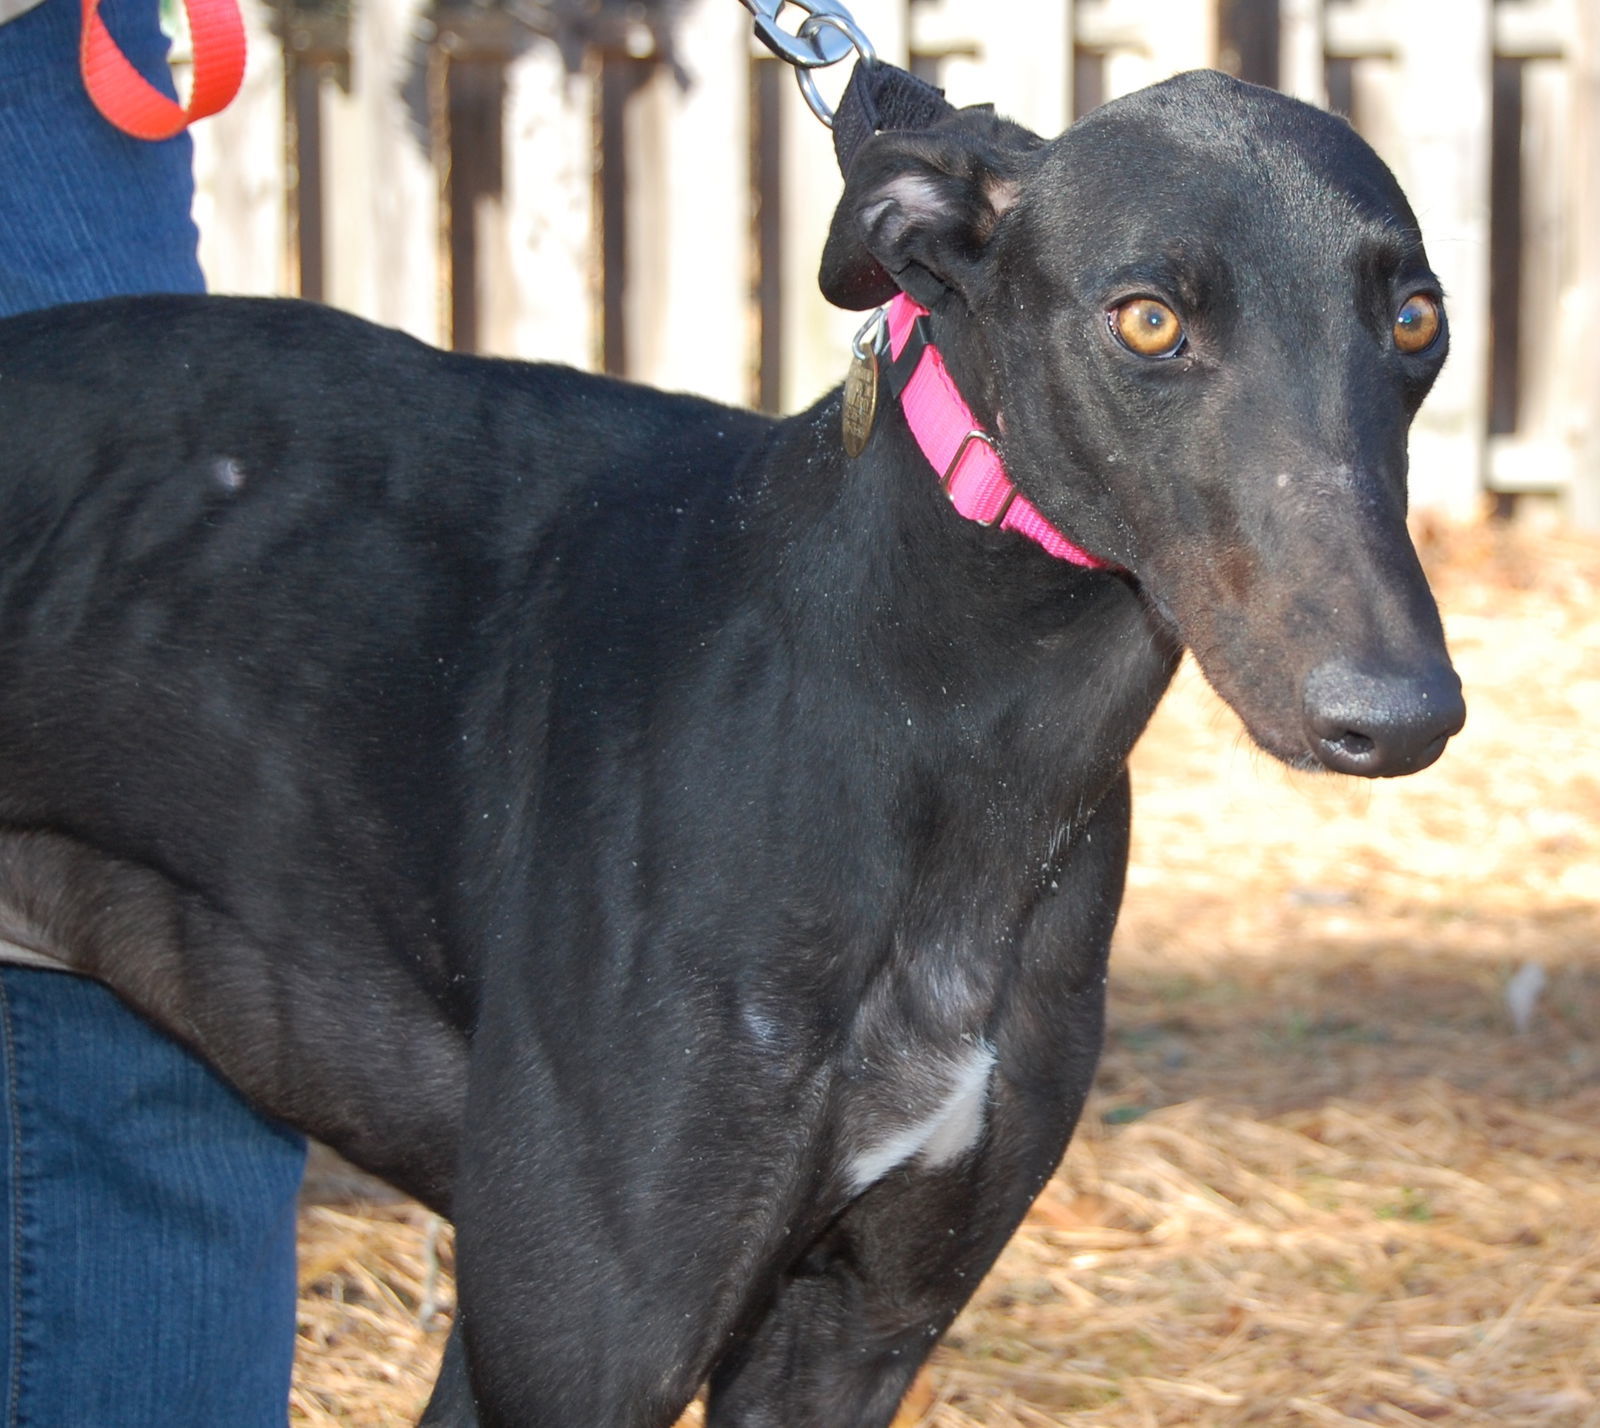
(241, 176)
(1584, 503)
(1028, 69)
(1182, 35)
(1148, 40)
(345, 178)
(1302, 65)
(387, 243)
(1545, 270)
(688, 244)
(1442, 159)
(1019, 58)
(540, 272)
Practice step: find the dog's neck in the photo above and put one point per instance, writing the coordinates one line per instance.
(964, 455)
(887, 591)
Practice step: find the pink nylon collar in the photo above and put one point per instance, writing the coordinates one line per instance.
(949, 435)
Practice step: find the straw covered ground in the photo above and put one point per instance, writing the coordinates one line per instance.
(1342, 1166)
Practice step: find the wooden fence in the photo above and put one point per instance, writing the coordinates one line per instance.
(532, 178)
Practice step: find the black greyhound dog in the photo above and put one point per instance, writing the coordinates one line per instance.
(682, 851)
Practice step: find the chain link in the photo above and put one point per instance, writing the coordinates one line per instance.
(827, 35)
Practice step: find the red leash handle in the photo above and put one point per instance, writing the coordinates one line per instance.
(128, 100)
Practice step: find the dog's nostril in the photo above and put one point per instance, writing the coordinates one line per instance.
(1352, 744)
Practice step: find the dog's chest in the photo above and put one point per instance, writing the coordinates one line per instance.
(917, 1072)
(924, 1113)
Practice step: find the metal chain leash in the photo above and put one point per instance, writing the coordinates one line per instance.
(827, 35)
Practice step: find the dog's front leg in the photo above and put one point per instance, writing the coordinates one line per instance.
(623, 1188)
(856, 1315)
(451, 1405)
(853, 1321)
(854, 1318)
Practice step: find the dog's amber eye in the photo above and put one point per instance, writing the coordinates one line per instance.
(1148, 327)
(1416, 325)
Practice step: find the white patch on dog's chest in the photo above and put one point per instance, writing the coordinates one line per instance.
(940, 1135)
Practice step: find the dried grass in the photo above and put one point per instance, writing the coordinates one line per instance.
(1322, 1181)
(1415, 1257)
(374, 1307)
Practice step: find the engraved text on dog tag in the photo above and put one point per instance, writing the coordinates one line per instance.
(860, 399)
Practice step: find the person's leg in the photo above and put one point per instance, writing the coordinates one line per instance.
(146, 1213)
(148, 1224)
(85, 210)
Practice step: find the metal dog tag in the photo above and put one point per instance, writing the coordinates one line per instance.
(860, 401)
(860, 407)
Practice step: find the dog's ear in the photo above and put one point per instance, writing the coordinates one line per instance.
(918, 208)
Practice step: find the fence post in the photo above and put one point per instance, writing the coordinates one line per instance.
(1584, 495)
(386, 261)
(1182, 34)
(1016, 57)
(1302, 63)
(689, 259)
(1146, 41)
(542, 272)
(241, 175)
(1442, 115)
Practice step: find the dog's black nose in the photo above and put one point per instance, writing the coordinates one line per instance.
(1385, 724)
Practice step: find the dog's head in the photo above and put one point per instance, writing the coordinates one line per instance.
(1200, 321)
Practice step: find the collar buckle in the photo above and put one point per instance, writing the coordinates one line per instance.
(952, 474)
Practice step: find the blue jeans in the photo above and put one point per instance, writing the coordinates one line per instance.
(86, 211)
(147, 1213)
(148, 1239)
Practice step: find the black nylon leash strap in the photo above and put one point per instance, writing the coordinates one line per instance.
(883, 96)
